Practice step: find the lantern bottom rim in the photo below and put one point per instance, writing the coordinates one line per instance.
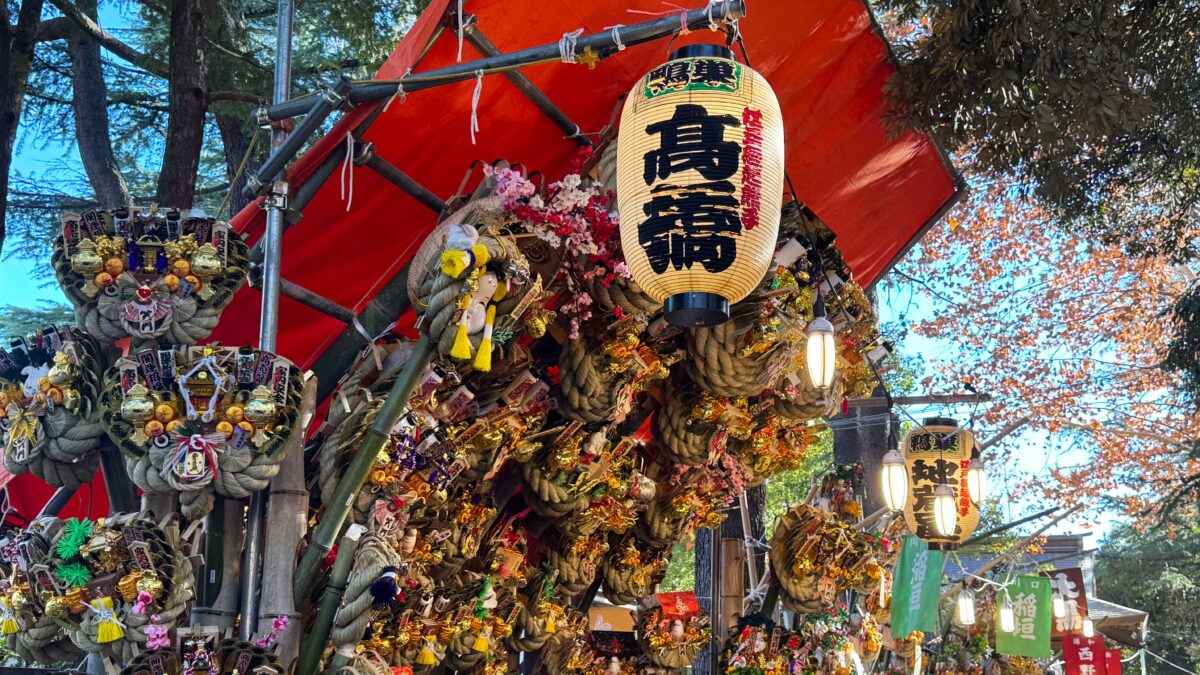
(696, 309)
(942, 546)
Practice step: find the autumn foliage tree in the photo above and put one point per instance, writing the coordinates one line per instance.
(1069, 333)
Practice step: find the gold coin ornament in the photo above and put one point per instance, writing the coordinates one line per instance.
(201, 420)
(49, 418)
(154, 275)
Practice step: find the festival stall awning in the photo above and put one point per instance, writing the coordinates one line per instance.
(825, 59)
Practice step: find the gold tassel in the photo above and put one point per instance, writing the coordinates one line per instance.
(483, 358)
(454, 263)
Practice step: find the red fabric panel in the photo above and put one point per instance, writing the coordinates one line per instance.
(823, 58)
(27, 495)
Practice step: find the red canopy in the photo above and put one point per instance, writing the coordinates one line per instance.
(825, 59)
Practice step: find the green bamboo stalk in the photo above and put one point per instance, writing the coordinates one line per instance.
(314, 643)
(360, 466)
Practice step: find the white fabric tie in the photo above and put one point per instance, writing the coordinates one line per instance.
(348, 163)
(616, 36)
(475, 104)
(566, 46)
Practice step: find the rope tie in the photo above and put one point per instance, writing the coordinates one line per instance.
(566, 46)
(475, 104)
(348, 163)
(615, 33)
(460, 30)
(399, 93)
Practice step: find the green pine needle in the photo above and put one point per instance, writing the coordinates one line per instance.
(73, 574)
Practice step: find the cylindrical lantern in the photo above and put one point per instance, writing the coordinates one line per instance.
(700, 166)
(1059, 604)
(1008, 618)
(935, 453)
(945, 511)
(977, 479)
(895, 481)
(1089, 629)
(966, 607)
(821, 352)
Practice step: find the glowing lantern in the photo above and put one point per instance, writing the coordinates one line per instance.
(1089, 630)
(937, 509)
(1008, 619)
(699, 182)
(966, 607)
(895, 481)
(977, 479)
(821, 350)
(1059, 604)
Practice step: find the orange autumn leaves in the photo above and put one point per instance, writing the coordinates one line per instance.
(1067, 332)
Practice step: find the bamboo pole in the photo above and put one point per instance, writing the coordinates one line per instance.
(287, 521)
(356, 474)
(1011, 551)
(314, 643)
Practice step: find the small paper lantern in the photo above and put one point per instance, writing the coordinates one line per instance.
(700, 166)
(935, 454)
(966, 607)
(1008, 618)
(895, 481)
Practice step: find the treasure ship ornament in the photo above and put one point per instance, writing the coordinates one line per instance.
(153, 275)
(197, 420)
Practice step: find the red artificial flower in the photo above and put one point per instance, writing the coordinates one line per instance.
(552, 371)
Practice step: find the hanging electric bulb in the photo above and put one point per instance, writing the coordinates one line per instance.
(1008, 619)
(1088, 629)
(895, 481)
(945, 510)
(977, 478)
(1059, 604)
(966, 607)
(821, 353)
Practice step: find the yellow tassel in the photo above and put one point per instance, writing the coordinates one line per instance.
(108, 631)
(550, 627)
(462, 345)
(481, 255)
(454, 263)
(426, 657)
(9, 625)
(481, 644)
(483, 357)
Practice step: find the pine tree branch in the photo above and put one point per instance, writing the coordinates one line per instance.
(58, 28)
(108, 41)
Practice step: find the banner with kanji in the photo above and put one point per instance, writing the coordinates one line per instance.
(1033, 615)
(918, 583)
(1069, 584)
(1112, 661)
(1084, 655)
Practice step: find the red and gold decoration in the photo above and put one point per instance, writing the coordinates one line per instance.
(699, 181)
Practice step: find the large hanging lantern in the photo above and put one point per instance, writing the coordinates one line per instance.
(938, 509)
(699, 181)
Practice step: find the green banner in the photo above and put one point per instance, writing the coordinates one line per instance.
(918, 584)
(1032, 618)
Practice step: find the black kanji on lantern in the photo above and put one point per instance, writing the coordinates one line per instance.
(692, 139)
(715, 73)
(669, 76)
(938, 471)
(691, 224)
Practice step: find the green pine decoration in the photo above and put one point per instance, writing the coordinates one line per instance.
(73, 574)
(75, 534)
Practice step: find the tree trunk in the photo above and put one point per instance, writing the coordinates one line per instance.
(237, 144)
(90, 99)
(16, 53)
(866, 443)
(185, 122)
(706, 590)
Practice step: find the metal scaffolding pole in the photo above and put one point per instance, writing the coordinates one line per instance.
(268, 328)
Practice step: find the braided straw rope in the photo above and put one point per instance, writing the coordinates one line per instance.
(715, 360)
(240, 472)
(685, 441)
(572, 578)
(191, 319)
(585, 391)
(618, 585)
(797, 594)
(655, 526)
(337, 449)
(666, 656)
(545, 497)
(529, 634)
(623, 293)
(812, 403)
(558, 649)
(425, 260)
(355, 614)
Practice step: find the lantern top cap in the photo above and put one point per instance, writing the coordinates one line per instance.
(702, 50)
(940, 421)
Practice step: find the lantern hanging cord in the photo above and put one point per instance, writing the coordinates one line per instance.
(460, 30)
(566, 46)
(348, 165)
(475, 104)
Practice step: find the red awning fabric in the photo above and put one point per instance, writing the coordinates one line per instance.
(824, 58)
(28, 494)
